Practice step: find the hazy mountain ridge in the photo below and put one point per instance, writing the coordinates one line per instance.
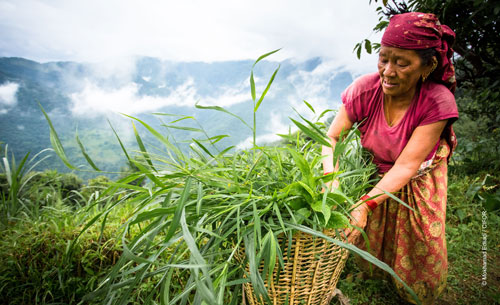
(84, 96)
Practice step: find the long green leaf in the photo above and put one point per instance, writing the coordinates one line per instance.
(160, 137)
(309, 106)
(87, 157)
(143, 148)
(256, 279)
(265, 90)
(121, 144)
(301, 163)
(204, 148)
(180, 205)
(148, 173)
(320, 138)
(131, 256)
(264, 56)
(183, 128)
(218, 108)
(56, 143)
(252, 86)
(204, 287)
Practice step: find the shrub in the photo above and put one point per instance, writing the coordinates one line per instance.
(36, 267)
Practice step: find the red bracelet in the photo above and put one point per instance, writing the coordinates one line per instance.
(370, 203)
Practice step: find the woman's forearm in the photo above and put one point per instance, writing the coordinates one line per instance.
(328, 159)
(393, 181)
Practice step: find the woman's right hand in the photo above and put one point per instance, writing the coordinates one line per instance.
(359, 219)
(332, 184)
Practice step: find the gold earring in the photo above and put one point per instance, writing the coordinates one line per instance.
(424, 77)
(434, 65)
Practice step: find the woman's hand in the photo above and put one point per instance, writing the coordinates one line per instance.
(359, 219)
(332, 184)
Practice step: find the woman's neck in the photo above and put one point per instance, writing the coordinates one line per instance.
(395, 109)
(400, 101)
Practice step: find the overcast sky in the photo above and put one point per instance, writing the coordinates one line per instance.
(188, 30)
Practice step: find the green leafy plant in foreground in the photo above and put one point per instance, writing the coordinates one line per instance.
(206, 214)
(14, 181)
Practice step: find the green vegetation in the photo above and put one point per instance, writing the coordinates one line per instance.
(197, 219)
(175, 227)
(36, 267)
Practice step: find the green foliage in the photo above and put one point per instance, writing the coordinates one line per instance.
(13, 180)
(35, 267)
(64, 186)
(203, 216)
(94, 187)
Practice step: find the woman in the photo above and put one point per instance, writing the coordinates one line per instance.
(405, 113)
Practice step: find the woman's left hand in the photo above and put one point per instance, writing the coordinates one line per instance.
(359, 219)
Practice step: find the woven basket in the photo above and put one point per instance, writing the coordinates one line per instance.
(310, 273)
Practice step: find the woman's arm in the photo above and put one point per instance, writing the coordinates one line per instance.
(421, 143)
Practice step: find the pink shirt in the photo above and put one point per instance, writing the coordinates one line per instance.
(363, 101)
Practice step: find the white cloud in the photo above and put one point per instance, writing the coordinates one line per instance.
(191, 30)
(277, 124)
(95, 100)
(8, 96)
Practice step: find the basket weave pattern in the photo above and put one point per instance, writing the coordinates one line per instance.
(310, 273)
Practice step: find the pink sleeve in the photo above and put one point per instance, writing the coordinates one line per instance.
(440, 105)
(351, 105)
(356, 98)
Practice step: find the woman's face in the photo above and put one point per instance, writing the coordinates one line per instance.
(400, 70)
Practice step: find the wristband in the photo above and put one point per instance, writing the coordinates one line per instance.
(372, 204)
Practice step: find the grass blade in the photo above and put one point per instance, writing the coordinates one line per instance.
(252, 86)
(159, 136)
(218, 108)
(121, 144)
(264, 56)
(265, 90)
(180, 205)
(56, 143)
(87, 157)
(320, 138)
(143, 148)
(205, 288)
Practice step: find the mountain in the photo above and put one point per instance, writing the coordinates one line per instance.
(85, 98)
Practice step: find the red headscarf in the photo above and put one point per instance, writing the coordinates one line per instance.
(418, 31)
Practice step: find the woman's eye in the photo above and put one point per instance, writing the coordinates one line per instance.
(402, 63)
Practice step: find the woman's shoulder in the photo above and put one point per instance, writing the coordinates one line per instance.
(433, 91)
(436, 102)
(362, 85)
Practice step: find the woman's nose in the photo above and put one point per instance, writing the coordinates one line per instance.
(389, 70)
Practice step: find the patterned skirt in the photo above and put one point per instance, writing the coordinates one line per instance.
(413, 243)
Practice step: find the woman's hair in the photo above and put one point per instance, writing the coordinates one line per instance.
(426, 56)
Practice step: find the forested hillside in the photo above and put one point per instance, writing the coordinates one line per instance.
(82, 97)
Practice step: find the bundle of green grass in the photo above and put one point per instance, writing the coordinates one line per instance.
(200, 208)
